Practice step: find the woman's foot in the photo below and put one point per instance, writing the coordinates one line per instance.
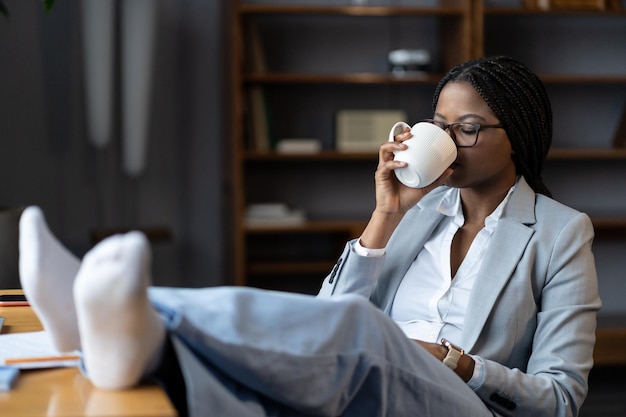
(121, 334)
(47, 271)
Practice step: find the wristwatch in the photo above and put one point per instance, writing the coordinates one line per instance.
(454, 354)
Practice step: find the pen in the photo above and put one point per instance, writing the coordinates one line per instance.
(14, 361)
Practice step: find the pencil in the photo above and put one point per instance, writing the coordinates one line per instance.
(13, 361)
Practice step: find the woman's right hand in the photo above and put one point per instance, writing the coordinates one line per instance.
(393, 197)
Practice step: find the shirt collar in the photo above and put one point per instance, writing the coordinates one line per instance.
(450, 205)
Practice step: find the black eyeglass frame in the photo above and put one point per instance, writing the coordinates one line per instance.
(449, 128)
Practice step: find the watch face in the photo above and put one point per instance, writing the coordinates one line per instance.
(451, 346)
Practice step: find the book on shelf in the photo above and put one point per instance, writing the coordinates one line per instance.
(298, 146)
(258, 118)
(255, 53)
(365, 130)
(259, 129)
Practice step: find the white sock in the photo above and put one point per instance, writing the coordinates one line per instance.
(121, 334)
(47, 271)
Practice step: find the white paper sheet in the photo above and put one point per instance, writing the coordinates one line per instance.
(34, 350)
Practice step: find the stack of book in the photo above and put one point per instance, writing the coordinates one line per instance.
(273, 214)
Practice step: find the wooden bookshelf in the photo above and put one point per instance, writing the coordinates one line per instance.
(463, 32)
(275, 75)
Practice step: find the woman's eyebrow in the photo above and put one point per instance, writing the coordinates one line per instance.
(472, 116)
(462, 118)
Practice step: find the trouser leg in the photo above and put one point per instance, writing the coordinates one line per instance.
(327, 357)
(211, 392)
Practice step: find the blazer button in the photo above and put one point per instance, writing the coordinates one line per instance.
(503, 401)
(333, 274)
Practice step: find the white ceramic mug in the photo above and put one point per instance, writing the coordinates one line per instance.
(430, 151)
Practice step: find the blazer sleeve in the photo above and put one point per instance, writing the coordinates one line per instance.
(554, 382)
(352, 274)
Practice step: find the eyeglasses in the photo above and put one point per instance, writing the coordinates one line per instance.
(464, 134)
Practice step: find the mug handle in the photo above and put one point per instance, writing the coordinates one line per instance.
(396, 129)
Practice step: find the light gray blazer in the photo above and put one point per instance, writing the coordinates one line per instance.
(532, 312)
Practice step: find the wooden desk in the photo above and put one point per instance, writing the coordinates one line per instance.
(66, 392)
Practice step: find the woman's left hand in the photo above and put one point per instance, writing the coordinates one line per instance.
(465, 367)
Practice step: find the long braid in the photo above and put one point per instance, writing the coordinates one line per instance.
(519, 100)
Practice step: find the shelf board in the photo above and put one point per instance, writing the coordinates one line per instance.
(613, 223)
(311, 226)
(610, 223)
(587, 154)
(610, 340)
(347, 78)
(554, 12)
(324, 155)
(555, 154)
(426, 79)
(350, 10)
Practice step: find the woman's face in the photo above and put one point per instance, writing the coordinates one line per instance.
(489, 162)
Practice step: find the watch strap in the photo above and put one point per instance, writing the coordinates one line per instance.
(454, 354)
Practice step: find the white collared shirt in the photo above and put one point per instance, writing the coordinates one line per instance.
(429, 304)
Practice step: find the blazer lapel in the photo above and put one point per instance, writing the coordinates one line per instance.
(505, 251)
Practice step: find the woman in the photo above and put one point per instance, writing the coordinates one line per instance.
(511, 275)
(487, 262)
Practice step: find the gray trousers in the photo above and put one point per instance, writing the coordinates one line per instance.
(248, 352)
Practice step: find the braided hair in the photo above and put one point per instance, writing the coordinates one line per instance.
(519, 100)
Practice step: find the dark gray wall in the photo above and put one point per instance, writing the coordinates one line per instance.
(45, 158)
